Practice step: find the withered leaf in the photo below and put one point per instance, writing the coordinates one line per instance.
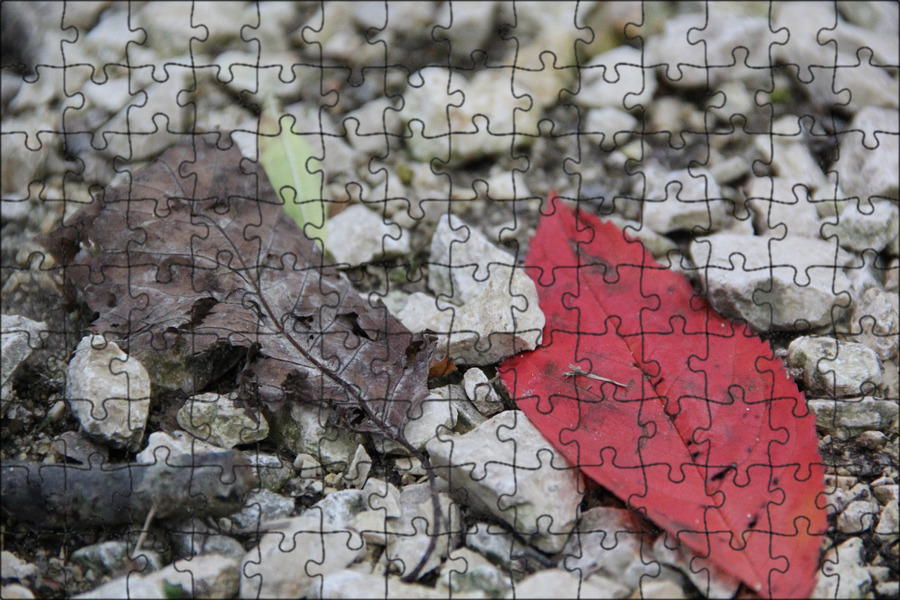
(198, 257)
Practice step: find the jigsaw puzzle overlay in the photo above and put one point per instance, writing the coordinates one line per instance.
(450, 299)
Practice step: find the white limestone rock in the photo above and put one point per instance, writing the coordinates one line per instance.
(712, 581)
(481, 392)
(683, 201)
(467, 571)
(875, 323)
(357, 235)
(219, 420)
(409, 535)
(851, 416)
(869, 153)
(602, 543)
(505, 468)
(296, 553)
(558, 583)
(108, 392)
(618, 78)
(610, 128)
(832, 368)
(778, 203)
(844, 573)
(19, 337)
(485, 117)
(772, 284)
(463, 261)
(207, 576)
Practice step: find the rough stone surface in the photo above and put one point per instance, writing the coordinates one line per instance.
(108, 392)
(348, 583)
(467, 571)
(20, 336)
(357, 235)
(115, 558)
(304, 429)
(407, 539)
(490, 109)
(494, 325)
(712, 582)
(858, 517)
(608, 542)
(854, 415)
(617, 78)
(771, 284)
(876, 324)
(888, 528)
(518, 478)
(221, 421)
(835, 369)
(481, 392)
(209, 576)
(292, 557)
(844, 574)
(869, 154)
(464, 261)
(863, 227)
(779, 205)
(558, 583)
(684, 201)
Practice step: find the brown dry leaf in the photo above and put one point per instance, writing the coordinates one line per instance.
(174, 264)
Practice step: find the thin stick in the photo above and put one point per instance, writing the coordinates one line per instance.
(144, 530)
(576, 370)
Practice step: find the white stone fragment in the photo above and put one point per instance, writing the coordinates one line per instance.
(888, 528)
(207, 576)
(485, 117)
(683, 201)
(618, 78)
(851, 416)
(875, 323)
(558, 583)
(357, 235)
(844, 573)
(778, 203)
(771, 284)
(295, 554)
(610, 128)
(19, 337)
(505, 468)
(410, 533)
(358, 470)
(790, 155)
(501, 313)
(353, 584)
(832, 368)
(690, 43)
(108, 392)
(713, 582)
(481, 392)
(466, 571)
(858, 517)
(218, 420)
(163, 446)
(860, 228)
(463, 261)
(607, 541)
(869, 153)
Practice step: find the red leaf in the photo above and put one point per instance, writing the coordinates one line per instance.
(707, 436)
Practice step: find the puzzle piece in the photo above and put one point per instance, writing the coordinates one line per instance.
(461, 396)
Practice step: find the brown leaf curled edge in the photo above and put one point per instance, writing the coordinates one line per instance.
(197, 258)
